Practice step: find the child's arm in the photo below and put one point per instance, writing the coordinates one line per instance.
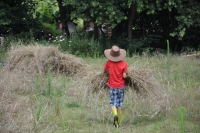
(125, 75)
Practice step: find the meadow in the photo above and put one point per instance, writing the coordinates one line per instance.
(56, 103)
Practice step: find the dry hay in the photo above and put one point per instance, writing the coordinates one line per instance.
(17, 81)
(14, 106)
(143, 83)
(40, 59)
(98, 82)
(139, 80)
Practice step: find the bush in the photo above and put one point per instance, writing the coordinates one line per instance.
(80, 46)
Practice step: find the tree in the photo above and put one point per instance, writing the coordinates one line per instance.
(133, 19)
(188, 16)
(45, 14)
(16, 16)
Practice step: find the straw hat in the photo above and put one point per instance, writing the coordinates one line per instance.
(115, 54)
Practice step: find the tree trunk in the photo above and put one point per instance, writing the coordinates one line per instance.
(130, 21)
(60, 5)
(96, 33)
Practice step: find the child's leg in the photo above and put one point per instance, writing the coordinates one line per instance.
(113, 103)
(121, 102)
(114, 110)
(119, 114)
(113, 99)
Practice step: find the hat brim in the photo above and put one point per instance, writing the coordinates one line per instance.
(115, 59)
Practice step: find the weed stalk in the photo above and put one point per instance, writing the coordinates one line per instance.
(182, 115)
(168, 59)
(49, 84)
(37, 85)
(38, 113)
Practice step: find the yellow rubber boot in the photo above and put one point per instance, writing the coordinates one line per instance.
(114, 111)
(119, 116)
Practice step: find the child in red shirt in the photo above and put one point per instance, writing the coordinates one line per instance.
(117, 69)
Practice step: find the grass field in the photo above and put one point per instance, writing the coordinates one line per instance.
(60, 104)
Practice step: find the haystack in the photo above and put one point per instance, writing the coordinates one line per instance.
(40, 59)
(17, 80)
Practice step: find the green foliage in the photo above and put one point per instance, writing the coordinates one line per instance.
(72, 105)
(47, 7)
(81, 46)
(28, 18)
(16, 16)
(38, 112)
(45, 15)
(187, 11)
(99, 10)
(138, 45)
(49, 29)
(4, 20)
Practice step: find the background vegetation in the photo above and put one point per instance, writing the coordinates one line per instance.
(136, 24)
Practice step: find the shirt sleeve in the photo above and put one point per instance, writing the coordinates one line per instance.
(125, 68)
(106, 66)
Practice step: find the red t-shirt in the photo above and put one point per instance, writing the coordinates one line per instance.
(116, 70)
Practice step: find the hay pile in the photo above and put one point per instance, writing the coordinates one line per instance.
(17, 80)
(140, 81)
(40, 59)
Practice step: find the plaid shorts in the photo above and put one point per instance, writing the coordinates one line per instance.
(116, 97)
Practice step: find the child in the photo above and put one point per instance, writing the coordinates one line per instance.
(117, 69)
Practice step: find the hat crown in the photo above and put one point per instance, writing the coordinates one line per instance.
(115, 51)
(115, 54)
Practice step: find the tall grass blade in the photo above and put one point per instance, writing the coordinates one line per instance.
(168, 59)
(49, 84)
(37, 85)
(182, 115)
(38, 113)
(57, 107)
